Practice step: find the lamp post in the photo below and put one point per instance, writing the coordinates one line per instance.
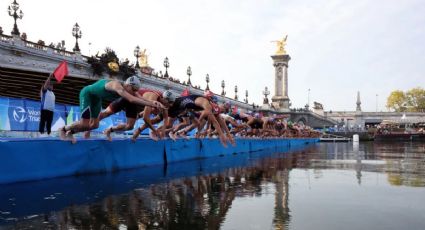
(207, 79)
(236, 92)
(89, 48)
(222, 86)
(376, 102)
(13, 12)
(266, 92)
(189, 73)
(76, 32)
(308, 99)
(137, 55)
(166, 65)
(246, 96)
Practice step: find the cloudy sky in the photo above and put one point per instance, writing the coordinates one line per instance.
(337, 47)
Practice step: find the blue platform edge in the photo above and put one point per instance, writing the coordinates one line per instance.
(36, 159)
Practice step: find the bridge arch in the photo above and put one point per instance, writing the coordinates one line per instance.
(302, 121)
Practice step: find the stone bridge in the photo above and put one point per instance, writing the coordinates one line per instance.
(362, 119)
(311, 119)
(25, 65)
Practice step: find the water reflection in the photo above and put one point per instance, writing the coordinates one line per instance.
(204, 192)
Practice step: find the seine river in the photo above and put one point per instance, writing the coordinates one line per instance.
(322, 186)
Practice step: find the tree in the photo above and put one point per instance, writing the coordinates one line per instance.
(416, 99)
(397, 101)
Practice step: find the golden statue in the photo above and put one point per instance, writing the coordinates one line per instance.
(143, 59)
(281, 46)
(113, 66)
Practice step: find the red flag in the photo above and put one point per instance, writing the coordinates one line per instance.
(61, 71)
(185, 92)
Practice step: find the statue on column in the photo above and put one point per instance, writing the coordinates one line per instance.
(143, 59)
(281, 46)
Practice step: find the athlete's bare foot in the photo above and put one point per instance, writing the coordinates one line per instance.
(62, 133)
(136, 134)
(183, 135)
(197, 135)
(73, 139)
(223, 142)
(87, 134)
(172, 136)
(107, 133)
(70, 137)
(231, 140)
(153, 136)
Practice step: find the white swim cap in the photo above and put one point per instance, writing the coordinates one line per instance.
(133, 81)
(168, 95)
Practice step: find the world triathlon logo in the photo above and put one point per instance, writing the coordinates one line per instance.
(19, 114)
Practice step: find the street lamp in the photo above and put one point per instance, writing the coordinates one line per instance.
(76, 32)
(189, 73)
(222, 86)
(266, 92)
(246, 96)
(13, 12)
(137, 55)
(308, 99)
(376, 102)
(236, 92)
(166, 65)
(207, 79)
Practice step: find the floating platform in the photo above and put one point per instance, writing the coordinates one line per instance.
(334, 138)
(42, 158)
(31, 198)
(400, 137)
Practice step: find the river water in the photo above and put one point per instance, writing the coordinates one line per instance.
(321, 186)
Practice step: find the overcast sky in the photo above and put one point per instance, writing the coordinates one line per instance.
(337, 47)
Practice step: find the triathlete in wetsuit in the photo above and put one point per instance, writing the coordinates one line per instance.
(166, 98)
(131, 111)
(91, 98)
(197, 103)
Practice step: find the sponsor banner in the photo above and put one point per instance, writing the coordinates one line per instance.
(24, 115)
(17, 114)
(32, 110)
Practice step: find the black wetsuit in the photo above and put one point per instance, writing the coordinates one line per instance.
(183, 103)
(122, 104)
(257, 124)
(238, 117)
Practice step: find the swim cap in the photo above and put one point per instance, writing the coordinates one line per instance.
(168, 95)
(133, 81)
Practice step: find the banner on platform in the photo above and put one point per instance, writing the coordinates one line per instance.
(24, 115)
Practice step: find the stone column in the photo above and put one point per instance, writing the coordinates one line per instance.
(280, 99)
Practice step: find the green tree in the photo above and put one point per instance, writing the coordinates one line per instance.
(416, 99)
(397, 101)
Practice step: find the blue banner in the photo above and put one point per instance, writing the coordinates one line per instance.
(32, 109)
(24, 115)
(17, 114)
